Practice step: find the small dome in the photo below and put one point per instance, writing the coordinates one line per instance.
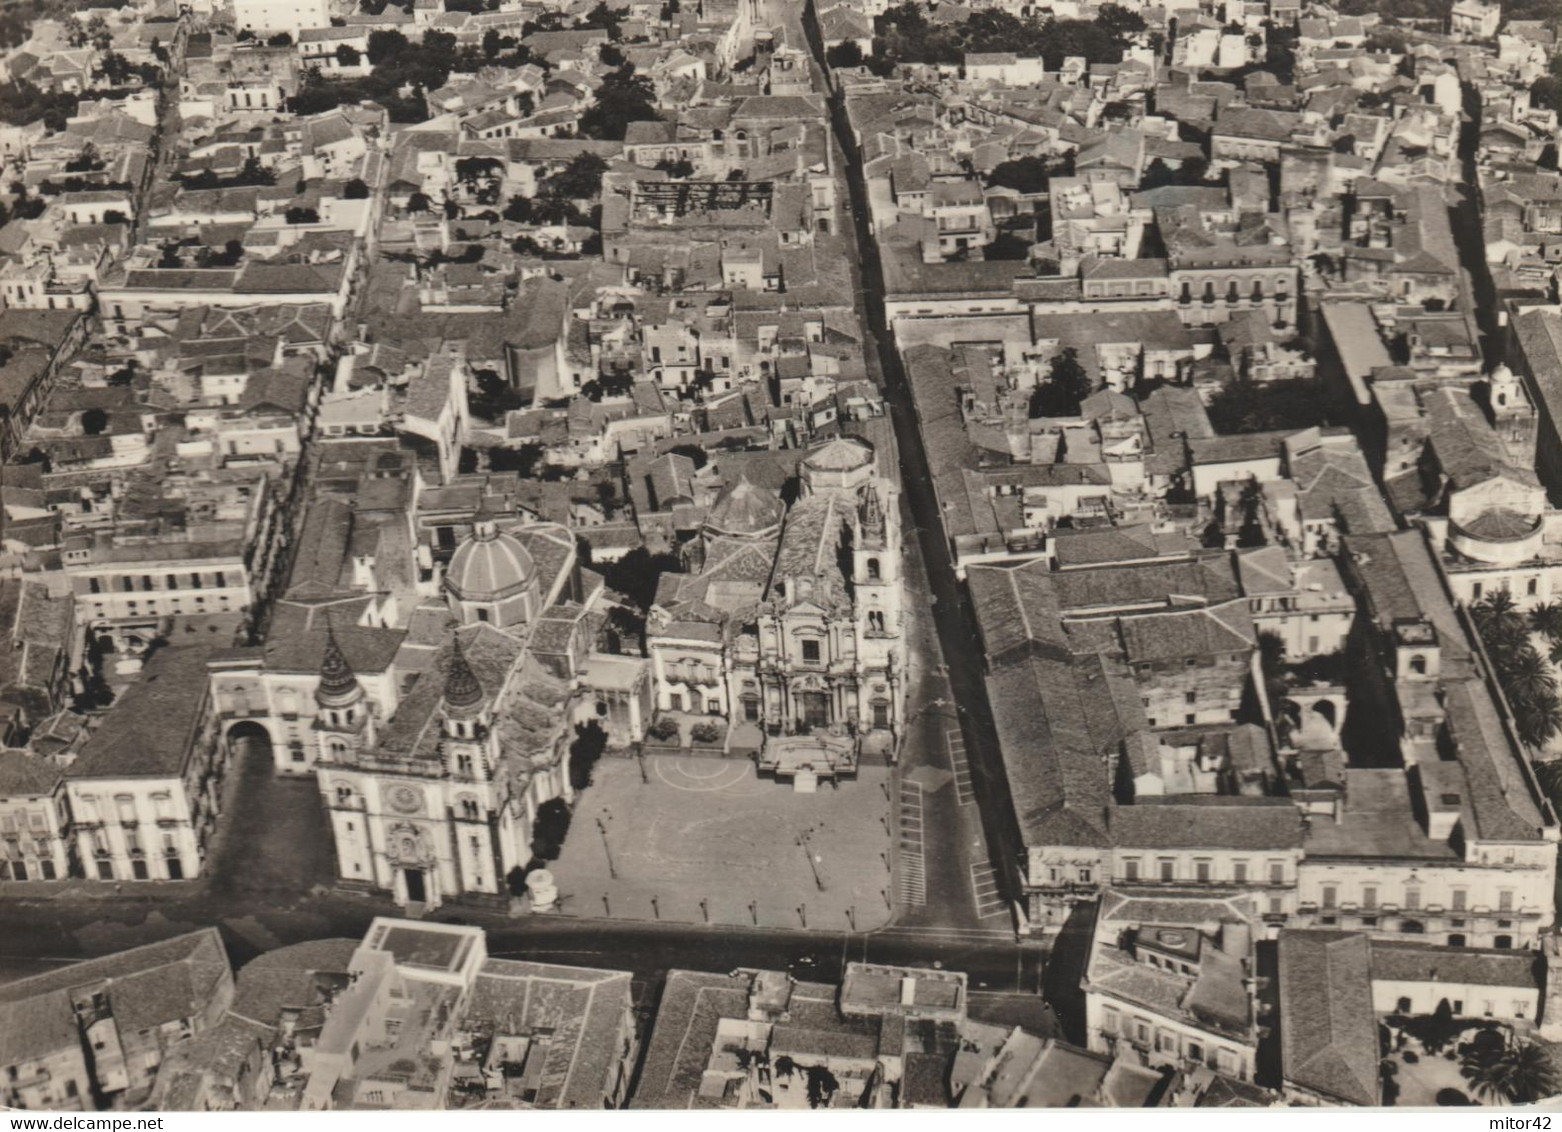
(489, 566)
(745, 509)
(1500, 373)
(843, 455)
(1500, 524)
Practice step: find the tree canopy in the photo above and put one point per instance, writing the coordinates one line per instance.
(905, 34)
(623, 97)
(1066, 386)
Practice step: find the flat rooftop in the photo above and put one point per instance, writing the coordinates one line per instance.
(422, 947)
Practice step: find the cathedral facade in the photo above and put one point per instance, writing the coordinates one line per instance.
(791, 619)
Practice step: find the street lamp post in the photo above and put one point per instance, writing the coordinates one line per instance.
(812, 864)
(656, 908)
(606, 908)
(607, 849)
(802, 914)
(705, 909)
(753, 910)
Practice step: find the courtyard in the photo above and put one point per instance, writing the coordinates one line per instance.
(703, 840)
(1427, 1076)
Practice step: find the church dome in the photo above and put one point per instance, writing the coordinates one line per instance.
(490, 566)
(745, 509)
(846, 454)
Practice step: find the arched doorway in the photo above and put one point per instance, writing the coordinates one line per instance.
(247, 738)
(1325, 710)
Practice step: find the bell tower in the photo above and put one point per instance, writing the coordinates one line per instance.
(1513, 417)
(343, 722)
(469, 744)
(876, 554)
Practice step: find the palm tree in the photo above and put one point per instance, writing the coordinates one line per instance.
(1547, 619)
(1521, 1074)
(1501, 625)
(1556, 652)
(1526, 676)
(1539, 720)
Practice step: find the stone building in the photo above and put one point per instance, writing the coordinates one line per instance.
(439, 799)
(145, 790)
(790, 619)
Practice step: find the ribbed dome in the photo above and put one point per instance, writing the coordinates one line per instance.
(489, 566)
(843, 455)
(1500, 523)
(745, 509)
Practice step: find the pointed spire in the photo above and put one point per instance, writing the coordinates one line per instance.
(872, 512)
(461, 687)
(337, 679)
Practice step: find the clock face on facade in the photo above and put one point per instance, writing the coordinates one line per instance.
(405, 799)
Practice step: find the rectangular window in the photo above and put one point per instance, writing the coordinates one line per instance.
(1239, 872)
(1412, 899)
(1330, 895)
(1168, 868)
(811, 651)
(1369, 897)
(1505, 900)
(1201, 871)
(1276, 872)
(1131, 869)
(1459, 897)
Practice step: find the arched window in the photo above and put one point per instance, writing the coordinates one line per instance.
(344, 795)
(1418, 664)
(873, 569)
(337, 749)
(468, 808)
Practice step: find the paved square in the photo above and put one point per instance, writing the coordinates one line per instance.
(711, 830)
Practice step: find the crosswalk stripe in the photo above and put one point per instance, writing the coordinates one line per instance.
(912, 884)
(957, 760)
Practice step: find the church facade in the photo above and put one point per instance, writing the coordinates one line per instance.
(441, 799)
(791, 619)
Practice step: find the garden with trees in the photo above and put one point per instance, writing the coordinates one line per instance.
(906, 34)
(1527, 678)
